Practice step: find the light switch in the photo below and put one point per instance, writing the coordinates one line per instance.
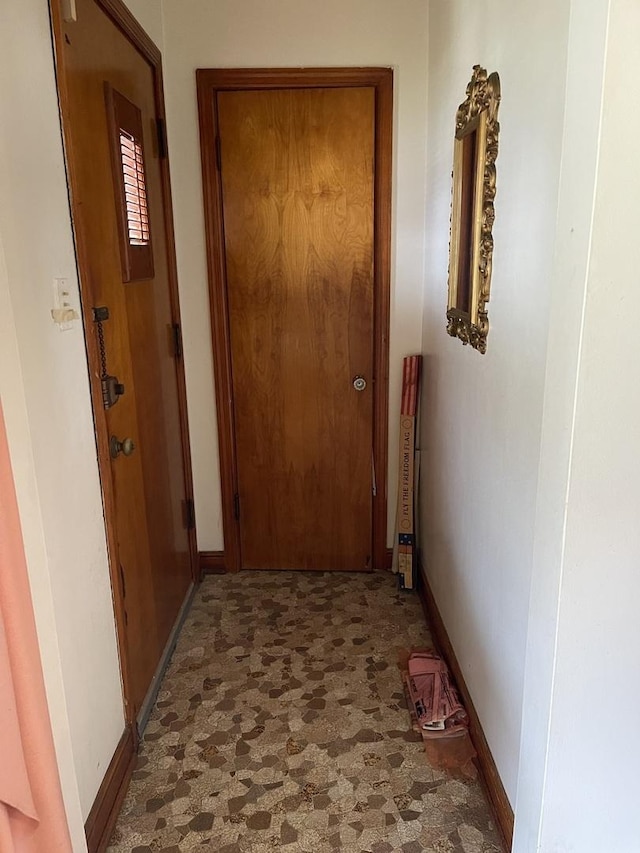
(69, 12)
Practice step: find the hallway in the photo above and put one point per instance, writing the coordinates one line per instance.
(281, 724)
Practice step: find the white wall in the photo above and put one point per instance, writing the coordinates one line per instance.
(44, 389)
(481, 415)
(149, 14)
(589, 796)
(234, 33)
(580, 151)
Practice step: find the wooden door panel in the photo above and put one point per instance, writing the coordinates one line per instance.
(297, 178)
(148, 487)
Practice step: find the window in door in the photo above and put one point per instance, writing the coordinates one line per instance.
(127, 155)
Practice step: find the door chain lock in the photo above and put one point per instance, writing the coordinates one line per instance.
(112, 388)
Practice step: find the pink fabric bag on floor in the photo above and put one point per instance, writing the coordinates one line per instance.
(32, 816)
(435, 699)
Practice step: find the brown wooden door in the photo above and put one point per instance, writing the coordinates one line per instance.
(121, 209)
(297, 194)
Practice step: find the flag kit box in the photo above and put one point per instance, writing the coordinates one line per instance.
(404, 562)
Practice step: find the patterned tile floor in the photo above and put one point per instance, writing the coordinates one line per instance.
(281, 724)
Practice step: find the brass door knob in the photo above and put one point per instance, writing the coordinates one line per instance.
(126, 447)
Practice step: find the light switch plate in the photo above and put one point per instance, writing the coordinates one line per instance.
(68, 9)
(63, 312)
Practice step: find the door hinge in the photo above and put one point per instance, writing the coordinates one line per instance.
(161, 131)
(218, 154)
(236, 506)
(177, 340)
(190, 511)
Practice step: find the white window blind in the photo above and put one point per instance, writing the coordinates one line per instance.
(135, 190)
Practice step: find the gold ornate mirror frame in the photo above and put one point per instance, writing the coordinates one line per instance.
(472, 213)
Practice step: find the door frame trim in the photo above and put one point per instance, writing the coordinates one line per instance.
(124, 20)
(209, 82)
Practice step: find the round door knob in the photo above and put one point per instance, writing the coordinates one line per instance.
(126, 447)
(359, 383)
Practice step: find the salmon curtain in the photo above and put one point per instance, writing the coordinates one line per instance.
(32, 816)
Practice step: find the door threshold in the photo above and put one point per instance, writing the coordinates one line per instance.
(152, 693)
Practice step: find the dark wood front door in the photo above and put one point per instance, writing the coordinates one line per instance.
(297, 179)
(111, 98)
